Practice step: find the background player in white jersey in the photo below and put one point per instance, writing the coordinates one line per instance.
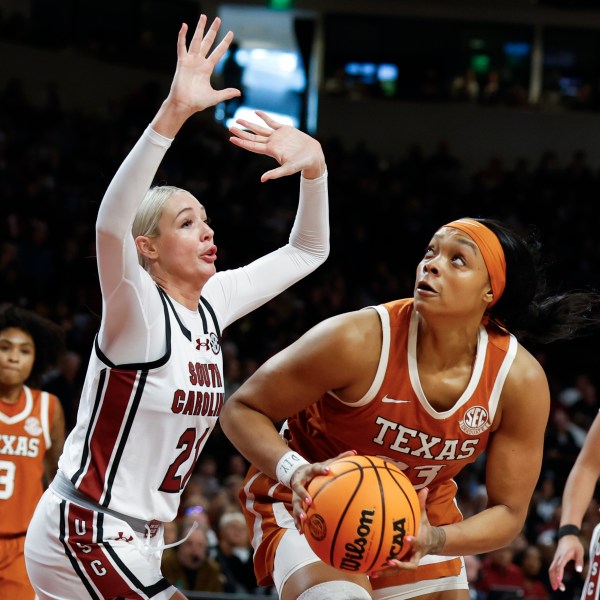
(32, 432)
(577, 495)
(154, 385)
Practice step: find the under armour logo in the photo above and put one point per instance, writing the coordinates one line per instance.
(212, 342)
(122, 537)
(201, 344)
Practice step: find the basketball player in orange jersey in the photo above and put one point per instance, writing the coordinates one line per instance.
(578, 493)
(31, 436)
(428, 382)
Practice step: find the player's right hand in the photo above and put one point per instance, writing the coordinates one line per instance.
(568, 548)
(300, 479)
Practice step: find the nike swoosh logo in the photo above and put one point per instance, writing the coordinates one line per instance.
(393, 401)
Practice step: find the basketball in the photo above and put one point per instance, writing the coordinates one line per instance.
(360, 514)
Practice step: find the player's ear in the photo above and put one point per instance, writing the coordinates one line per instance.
(488, 296)
(146, 247)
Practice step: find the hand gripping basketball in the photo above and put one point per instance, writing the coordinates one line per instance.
(361, 513)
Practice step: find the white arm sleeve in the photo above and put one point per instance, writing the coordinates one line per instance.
(132, 327)
(237, 292)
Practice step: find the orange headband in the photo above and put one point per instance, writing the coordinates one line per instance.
(491, 251)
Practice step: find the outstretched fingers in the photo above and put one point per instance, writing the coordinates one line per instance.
(243, 140)
(196, 43)
(209, 39)
(217, 54)
(181, 44)
(272, 123)
(201, 41)
(254, 127)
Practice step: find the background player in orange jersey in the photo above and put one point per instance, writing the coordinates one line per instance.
(429, 382)
(31, 435)
(577, 495)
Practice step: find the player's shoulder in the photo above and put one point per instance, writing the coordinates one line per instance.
(38, 395)
(526, 376)
(350, 332)
(356, 322)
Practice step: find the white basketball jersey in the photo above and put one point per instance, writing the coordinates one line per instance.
(141, 427)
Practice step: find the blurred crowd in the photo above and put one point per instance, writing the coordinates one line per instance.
(55, 166)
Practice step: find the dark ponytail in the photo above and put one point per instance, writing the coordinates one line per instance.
(526, 309)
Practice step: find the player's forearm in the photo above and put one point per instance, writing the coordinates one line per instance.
(170, 118)
(310, 232)
(491, 529)
(577, 495)
(254, 435)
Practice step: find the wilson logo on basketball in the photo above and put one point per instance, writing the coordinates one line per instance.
(355, 551)
(475, 421)
(317, 527)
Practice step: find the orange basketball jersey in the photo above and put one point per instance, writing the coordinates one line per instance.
(24, 439)
(394, 420)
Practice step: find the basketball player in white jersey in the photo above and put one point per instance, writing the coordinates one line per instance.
(154, 386)
(578, 493)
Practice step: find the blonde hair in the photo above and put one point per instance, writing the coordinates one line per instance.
(231, 517)
(148, 214)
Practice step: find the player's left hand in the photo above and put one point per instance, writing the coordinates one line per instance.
(300, 479)
(426, 540)
(294, 150)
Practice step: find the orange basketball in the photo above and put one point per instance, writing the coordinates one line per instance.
(360, 514)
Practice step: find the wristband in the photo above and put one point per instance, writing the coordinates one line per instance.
(567, 530)
(288, 464)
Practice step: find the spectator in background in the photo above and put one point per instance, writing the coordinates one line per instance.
(188, 567)
(205, 476)
(500, 574)
(66, 386)
(171, 531)
(544, 503)
(195, 510)
(585, 409)
(490, 94)
(32, 429)
(234, 554)
(237, 465)
(530, 561)
(473, 570)
(560, 446)
(465, 87)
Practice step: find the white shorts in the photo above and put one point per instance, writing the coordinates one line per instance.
(425, 586)
(293, 553)
(74, 552)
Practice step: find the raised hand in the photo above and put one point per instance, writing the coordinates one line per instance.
(191, 86)
(191, 89)
(294, 150)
